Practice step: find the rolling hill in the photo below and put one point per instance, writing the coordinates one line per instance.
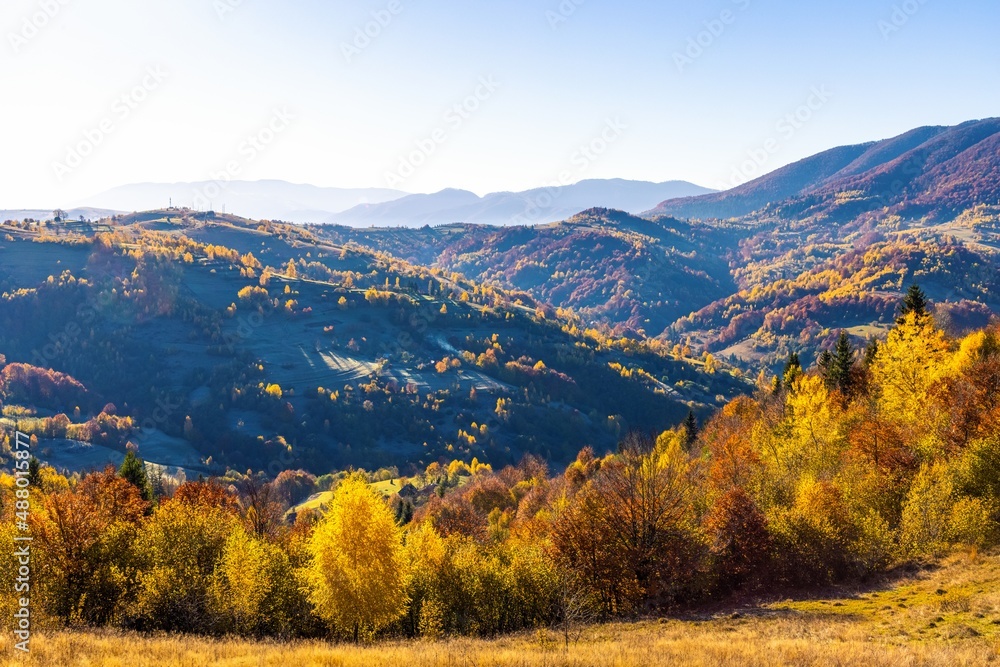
(212, 341)
(774, 266)
(613, 269)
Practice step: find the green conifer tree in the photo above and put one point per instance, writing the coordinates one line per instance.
(915, 301)
(823, 362)
(690, 430)
(34, 472)
(839, 372)
(792, 370)
(871, 351)
(133, 470)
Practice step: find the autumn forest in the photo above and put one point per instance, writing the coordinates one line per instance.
(256, 436)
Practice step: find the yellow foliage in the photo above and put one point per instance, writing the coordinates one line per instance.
(253, 582)
(914, 356)
(973, 348)
(814, 425)
(927, 511)
(358, 575)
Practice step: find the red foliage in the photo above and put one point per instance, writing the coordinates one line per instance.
(453, 515)
(33, 385)
(207, 494)
(113, 497)
(740, 543)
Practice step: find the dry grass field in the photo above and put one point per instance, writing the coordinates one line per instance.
(948, 615)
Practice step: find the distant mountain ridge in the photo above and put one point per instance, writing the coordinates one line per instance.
(537, 206)
(374, 207)
(261, 200)
(927, 170)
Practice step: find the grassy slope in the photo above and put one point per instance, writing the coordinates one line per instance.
(946, 615)
(388, 488)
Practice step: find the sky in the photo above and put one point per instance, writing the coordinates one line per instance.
(422, 95)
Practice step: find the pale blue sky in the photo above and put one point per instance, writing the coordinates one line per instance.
(558, 82)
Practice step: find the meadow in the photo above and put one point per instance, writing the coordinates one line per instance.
(942, 613)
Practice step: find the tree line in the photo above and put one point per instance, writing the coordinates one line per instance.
(879, 455)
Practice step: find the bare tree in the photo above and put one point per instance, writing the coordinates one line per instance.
(262, 510)
(576, 609)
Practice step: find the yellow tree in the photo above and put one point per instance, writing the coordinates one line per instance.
(814, 425)
(8, 571)
(179, 549)
(428, 558)
(914, 356)
(254, 585)
(359, 575)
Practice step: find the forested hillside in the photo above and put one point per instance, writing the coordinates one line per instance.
(215, 342)
(612, 269)
(934, 172)
(770, 267)
(877, 457)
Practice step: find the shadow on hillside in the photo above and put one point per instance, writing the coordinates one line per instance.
(756, 604)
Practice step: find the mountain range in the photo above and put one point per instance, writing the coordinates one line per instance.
(774, 266)
(86, 213)
(373, 207)
(936, 171)
(361, 345)
(250, 344)
(537, 206)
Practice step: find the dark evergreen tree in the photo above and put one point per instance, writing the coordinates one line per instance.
(403, 510)
(792, 370)
(841, 366)
(34, 472)
(824, 361)
(157, 484)
(915, 301)
(133, 470)
(690, 430)
(871, 350)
